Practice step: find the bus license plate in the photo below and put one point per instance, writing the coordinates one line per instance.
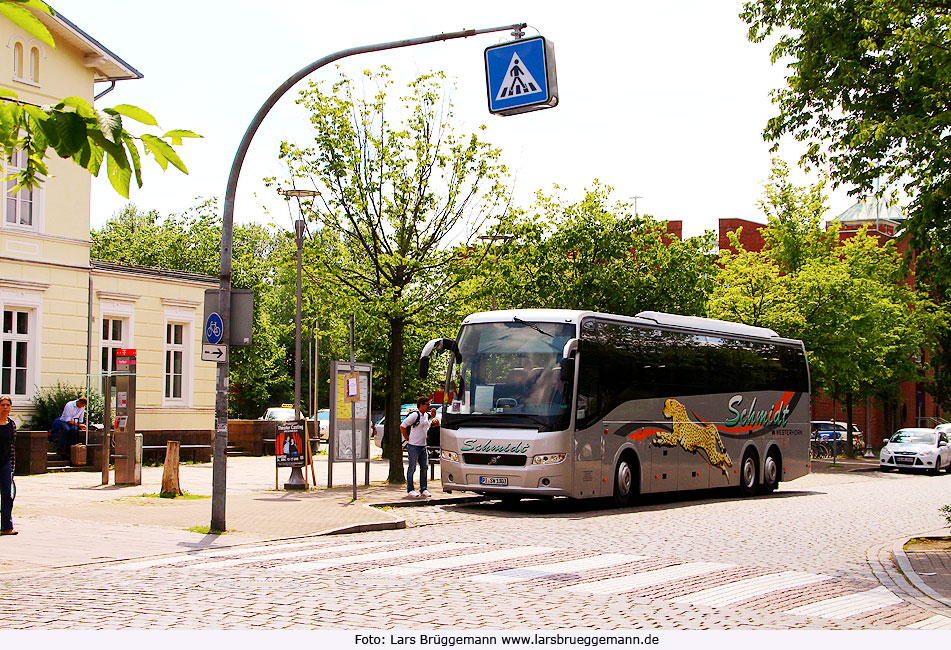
(493, 480)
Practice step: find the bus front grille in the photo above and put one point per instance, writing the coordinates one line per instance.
(506, 460)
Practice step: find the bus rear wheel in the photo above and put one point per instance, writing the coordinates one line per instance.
(625, 487)
(771, 473)
(748, 475)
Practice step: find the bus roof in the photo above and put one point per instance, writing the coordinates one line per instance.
(644, 317)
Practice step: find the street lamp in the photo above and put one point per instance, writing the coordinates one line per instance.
(635, 202)
(296, 480)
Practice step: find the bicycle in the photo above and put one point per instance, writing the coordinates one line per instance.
(819, 448)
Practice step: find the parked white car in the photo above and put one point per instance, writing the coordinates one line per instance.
(405, 410)
(917, 448)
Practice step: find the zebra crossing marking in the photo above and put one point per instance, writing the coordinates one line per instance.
(215, 553)
(646, 578)
(850, 605)
(463, 560)
(936, 622)
(837, 607)
(751, 587)
(555, 568)
(220, 564)
(371, 557)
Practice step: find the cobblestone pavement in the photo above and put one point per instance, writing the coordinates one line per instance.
(808, 557)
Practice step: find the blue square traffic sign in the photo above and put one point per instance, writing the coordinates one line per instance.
(520, 76)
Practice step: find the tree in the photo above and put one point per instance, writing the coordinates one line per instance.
(868, 94)
(863, 327)
(72, 128)
(393, 195)
(593, 255)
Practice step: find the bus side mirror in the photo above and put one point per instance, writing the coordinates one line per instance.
(568, 360)
(567, 369)
(428, 349)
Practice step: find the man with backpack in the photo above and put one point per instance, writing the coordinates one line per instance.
(414, 430)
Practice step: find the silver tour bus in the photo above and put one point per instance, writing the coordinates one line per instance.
(548, 402)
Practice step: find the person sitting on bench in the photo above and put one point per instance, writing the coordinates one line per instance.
(66, 427)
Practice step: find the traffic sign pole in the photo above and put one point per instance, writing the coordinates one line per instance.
(219, 468)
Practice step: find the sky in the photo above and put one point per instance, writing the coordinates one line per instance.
(665, 101)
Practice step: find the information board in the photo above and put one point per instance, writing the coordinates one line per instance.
(350, 389)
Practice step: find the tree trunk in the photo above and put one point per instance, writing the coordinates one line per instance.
(170, 485)
(394, 441)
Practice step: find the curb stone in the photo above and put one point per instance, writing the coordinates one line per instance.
(902, 580)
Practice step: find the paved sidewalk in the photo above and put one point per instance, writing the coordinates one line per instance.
(68, 519)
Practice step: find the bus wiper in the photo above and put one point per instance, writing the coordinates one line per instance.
(533, 326)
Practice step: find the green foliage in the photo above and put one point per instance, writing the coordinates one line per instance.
(73, 129)
(591, 255)
(868, 94)
(862, 326)
(48, 405)
(946, 511)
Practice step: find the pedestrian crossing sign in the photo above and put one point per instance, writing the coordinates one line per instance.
(520, 76)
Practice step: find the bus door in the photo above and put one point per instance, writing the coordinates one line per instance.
(588, 452)
(588, 438)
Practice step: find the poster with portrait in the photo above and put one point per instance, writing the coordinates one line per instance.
(289, 450)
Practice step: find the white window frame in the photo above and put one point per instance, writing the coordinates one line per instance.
(35, 64)
(108, 345)
(37, 199)
(180, 312)
(18, 58)
(172, 349)
(116, 307)
(17, 297)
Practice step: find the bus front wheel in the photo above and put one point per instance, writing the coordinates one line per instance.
(748, 476)
(625, 487)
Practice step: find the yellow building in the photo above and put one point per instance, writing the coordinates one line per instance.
(64, 316)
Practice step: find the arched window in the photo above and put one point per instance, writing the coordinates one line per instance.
(18, 60)
(35, 65)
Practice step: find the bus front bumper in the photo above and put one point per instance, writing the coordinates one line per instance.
(535, 480)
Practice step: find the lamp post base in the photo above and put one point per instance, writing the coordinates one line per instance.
(296, 480)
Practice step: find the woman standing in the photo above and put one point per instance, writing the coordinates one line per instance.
(8, 434)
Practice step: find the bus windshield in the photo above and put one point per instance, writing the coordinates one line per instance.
(508, 374)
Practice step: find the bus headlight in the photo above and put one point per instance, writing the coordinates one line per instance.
(548, 459)
(445, 454)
